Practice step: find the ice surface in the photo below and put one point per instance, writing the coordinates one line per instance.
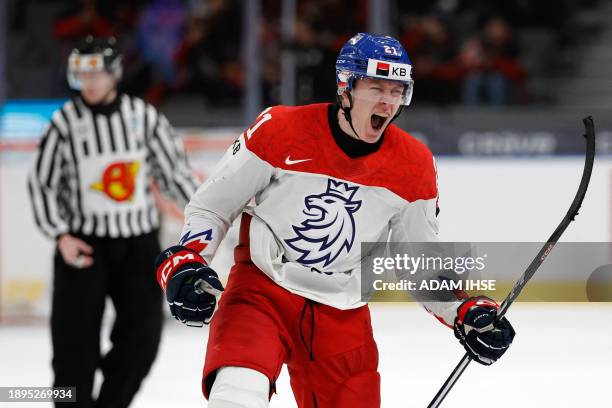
(562, 357)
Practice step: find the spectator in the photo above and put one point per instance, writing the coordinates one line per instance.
(308, 61)
(83, 21)
(493, 72)
(209, 57)
(159, 33)
(433, 50)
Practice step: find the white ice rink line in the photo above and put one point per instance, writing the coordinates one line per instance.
(562, 357)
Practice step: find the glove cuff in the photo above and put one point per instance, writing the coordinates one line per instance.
(176, 257)
(468, 304)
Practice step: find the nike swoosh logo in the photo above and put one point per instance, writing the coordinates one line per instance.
(289, 162)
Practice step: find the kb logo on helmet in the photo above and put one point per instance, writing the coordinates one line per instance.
(389, 70)
(399, 71)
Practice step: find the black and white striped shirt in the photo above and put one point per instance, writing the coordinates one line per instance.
(95, 168)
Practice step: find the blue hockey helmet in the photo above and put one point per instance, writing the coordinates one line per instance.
(374, 56)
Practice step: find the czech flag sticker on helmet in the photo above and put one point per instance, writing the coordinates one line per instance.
(343, 78)
(389, 70)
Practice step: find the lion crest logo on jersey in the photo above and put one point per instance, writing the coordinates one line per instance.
(329, 228)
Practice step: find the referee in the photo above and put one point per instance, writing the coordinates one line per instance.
(91, 191)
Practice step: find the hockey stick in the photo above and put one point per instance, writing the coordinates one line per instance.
(537, 261)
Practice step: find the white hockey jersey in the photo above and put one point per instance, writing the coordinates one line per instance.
(314, 204)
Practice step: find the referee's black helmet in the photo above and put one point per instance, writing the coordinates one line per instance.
(94, 54)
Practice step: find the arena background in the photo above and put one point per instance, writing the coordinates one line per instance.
(501, 89)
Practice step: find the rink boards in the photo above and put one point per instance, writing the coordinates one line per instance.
(481, 199)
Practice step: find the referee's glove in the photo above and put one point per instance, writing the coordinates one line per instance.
(190, 285)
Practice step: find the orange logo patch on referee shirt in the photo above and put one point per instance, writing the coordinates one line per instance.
(118, 181)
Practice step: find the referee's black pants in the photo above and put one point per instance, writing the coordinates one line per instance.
(123, 270)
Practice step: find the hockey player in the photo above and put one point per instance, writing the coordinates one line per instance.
(91, 191)
(325, 178)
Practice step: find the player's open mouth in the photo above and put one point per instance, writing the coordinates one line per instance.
(377, 121)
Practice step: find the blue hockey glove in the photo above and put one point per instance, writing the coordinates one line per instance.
(475, 327)
(190, 285)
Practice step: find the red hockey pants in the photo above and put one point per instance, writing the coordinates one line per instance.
(330, 353)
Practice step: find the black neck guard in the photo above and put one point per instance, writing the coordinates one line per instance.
(352, 147)
(104, 108)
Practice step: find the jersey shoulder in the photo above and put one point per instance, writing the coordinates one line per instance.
(72, 106)
(135, 100)
(408, 145)
(62, 118)
(282, 131)
(410, 165)
(139, 105)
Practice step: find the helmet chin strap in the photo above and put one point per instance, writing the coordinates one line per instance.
(347, 113)
(401, 108)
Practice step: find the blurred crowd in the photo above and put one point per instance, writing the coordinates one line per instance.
(180, 46)
(195, 46)
(483, 68)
